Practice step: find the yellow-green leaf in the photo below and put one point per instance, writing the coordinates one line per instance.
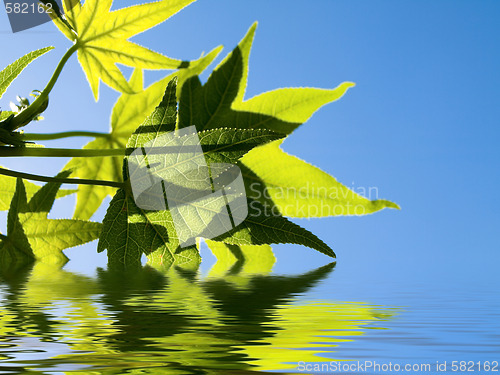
(299, 189)
(293, 105)
(31, 235)
(220, 101)
(101, 37)
(10, 73)
(8, 188)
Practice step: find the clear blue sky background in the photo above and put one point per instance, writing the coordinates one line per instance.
(422, 124)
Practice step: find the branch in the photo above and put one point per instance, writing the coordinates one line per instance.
(6, 151)
(78, 181)
(52, 136)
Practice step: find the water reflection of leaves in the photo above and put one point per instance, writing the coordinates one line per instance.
(176, 322)
(236, 264)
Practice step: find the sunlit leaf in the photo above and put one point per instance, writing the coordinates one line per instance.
(298, 189)
(31, 235)
(283, 183)
(8, 188)
(10, 73)
(130, 231)
(220, 101)
(263, 226)
(101, 37)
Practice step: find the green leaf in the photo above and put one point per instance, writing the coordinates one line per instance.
(219, 145)
(101, 36)
(8, 188)
(263, 226)
(219, 102)
(129, 231)
(120, 236)
(31, 235)
(298, 189)
(15, 248)
(13, 70)
(128, 113)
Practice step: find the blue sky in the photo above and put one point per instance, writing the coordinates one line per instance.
(421, 125)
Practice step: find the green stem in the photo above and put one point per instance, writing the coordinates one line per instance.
(34, 109)
(6, 151)
(79, 181)
(52, 136)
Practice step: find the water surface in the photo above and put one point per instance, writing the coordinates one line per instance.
(232, 320)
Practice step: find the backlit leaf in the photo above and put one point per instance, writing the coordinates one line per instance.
(101, 37)
(10, 73)
(31, 235)
(130, 231)
(298, 189)
(262, 226)
(8, 188)
(219, 102)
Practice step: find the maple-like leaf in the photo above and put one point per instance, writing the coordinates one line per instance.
(31, 235)
(264, 226)
(101, 37)
(127, 114)
(129, 231)
(297, 188)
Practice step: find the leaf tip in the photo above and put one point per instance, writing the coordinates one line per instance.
(95, 93)
(393, 205)
(217, 50)
(251, 30)
(382, 203)
(136, 80)
(330, 252)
